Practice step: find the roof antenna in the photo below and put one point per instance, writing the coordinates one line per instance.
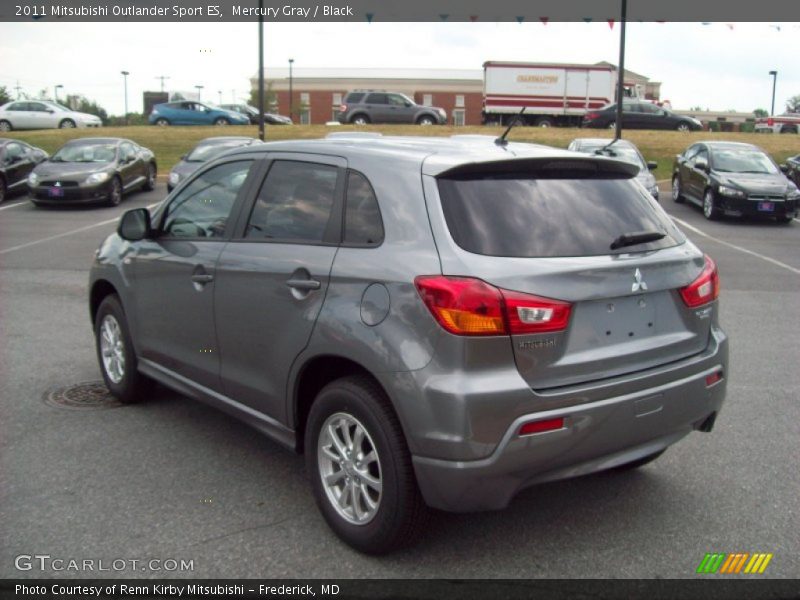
(501, 141)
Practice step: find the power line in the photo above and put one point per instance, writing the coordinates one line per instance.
(162, 78)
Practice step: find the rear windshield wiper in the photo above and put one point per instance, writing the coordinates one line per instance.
(637, 237)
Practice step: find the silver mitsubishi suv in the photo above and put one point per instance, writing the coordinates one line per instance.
(433, 322)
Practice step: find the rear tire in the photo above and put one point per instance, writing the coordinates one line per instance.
(150, 182)
(116, 355)
(5, 125)
(360, 120)
(789, 129)
(162, 122)
(2, 189)
(612, 124)
(639, 463)
(784, 220)
(363, 480)
(221, 122)
(677, 196)
(545, 122)
(67, 124)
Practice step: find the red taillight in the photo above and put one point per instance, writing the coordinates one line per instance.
(343, 108)
(591, 115)
(770, 121)
(713, 378)
(704, 289)
(468, 306)
(541, 426)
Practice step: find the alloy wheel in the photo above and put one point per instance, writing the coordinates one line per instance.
(112, 349)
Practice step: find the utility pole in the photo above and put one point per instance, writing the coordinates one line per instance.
(125, 83)
(162, 78)
(18, 88)
(621, 71)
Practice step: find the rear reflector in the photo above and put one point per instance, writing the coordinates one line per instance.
(469, 306)
(713, 378)
(541, 426)
(704, 289)
(770, 121)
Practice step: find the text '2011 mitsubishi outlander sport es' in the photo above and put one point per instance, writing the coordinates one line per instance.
(433, 322)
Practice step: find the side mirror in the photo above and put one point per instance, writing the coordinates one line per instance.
(50, 110)
(652, 165)
(701, 165)
(784, 167)
(135, 225)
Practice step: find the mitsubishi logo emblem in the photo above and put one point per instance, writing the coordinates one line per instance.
(638, 283)
(58, 184)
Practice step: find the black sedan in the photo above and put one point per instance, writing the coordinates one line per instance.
(204, 151)
(640, 115)
(732, 178)
(793, 169)
(92, 170)
(17, 160)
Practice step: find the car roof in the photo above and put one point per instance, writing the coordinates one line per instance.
(225, 138)
(97, 140)
(436, 154)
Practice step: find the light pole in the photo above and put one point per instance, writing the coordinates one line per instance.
(621, 72)
(219, 92)
(774, 79)
(261, 70)
(125, 84)
(198, 88)
(291, 98)
(55, 91)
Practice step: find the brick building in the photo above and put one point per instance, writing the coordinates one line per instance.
(317, 93)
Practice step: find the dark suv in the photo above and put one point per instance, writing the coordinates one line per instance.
(432, 321)
(361, 108)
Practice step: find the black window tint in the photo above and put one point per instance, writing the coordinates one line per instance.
(294, 203)
(202, 209)
(14, 152)
(520, 216)
(126, 150)
(362, 218)
(36, 107)
(354, 97)
(18, 106)
(377, 99)
(691, 153)
(650, 108)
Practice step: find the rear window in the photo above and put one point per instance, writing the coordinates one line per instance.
(521, 216)
(354, 97)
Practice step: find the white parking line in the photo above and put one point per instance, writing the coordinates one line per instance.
(20, 203)
(66, 233)
(735, 247)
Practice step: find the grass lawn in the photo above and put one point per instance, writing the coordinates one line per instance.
(169, 143)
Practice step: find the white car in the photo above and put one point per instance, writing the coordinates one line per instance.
(43, 114)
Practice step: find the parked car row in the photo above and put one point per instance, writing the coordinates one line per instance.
(190, 112)
(640, 115)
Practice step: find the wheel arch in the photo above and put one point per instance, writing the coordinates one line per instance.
(314, 375)
(101, 289)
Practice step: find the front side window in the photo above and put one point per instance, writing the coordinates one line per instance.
(36, 107)
(14, 152)
(202, 209)
(294, 203)
(363, 225)
(397, 100)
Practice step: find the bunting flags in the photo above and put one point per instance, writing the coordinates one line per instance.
(544, 20)
(611, 23)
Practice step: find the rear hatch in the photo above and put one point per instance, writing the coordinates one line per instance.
(587, 236)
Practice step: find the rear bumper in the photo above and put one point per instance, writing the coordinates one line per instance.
(597, 435)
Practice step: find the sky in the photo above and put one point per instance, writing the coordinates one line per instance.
(717, 66)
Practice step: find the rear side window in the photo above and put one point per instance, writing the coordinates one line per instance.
(363, 225)
(377, 99)
(354, 97)
(294, 203)
(521, 216)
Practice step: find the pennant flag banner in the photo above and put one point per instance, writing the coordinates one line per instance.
(611, 23)
(473, 18)
(369, 17)
(520, 19)
(587, 19)
(444, 16)
(544, 20)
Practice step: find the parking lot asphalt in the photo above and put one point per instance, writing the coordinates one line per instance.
(173, 479)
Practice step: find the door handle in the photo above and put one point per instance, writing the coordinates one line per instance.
(304, 284)
(202, 278)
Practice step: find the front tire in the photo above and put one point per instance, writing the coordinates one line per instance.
(115, 192)
(150, 182)
(710, 211)
(612, 124)
(67, 124)
(162, 122)
(360, 467)
(683, 127)
(677, 195)
(426, 120)
(116, 355)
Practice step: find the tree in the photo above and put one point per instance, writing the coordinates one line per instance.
(793, 104)
(4, 95)
(761, 112)
(270, 98)
(83, 104)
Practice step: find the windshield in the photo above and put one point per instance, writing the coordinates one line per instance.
(86, 153)
(209, 151)
(626, 153)
(743, 161)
